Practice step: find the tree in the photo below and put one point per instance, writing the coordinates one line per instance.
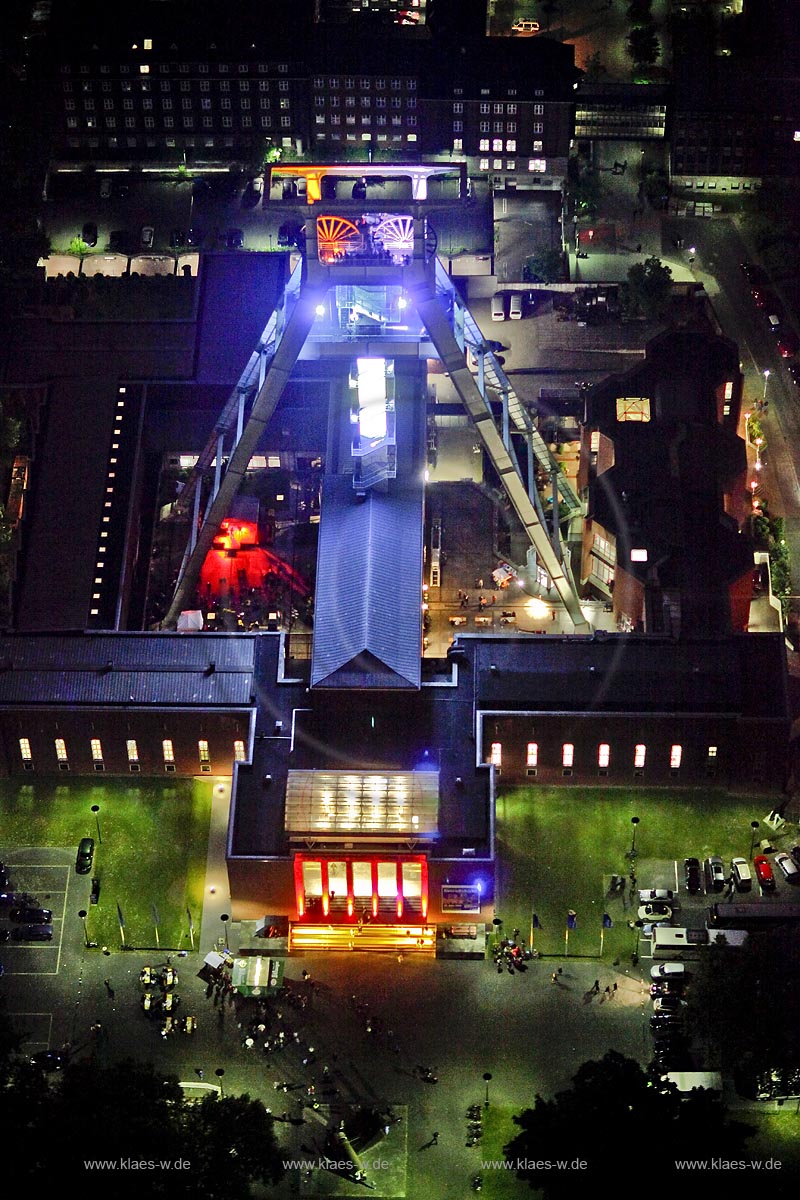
(643, 46)
(546, 266)
(78, 246)
(594, 68)
(587, 193)
(231, 1144)
(614, 1107)
(648, 289)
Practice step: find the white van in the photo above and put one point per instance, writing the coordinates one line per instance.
(742, 875)
(525, 27)
(516, 306)
(498, 307)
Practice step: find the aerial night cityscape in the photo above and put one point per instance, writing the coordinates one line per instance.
(400, 597)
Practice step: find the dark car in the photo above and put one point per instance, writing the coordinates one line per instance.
(177, 238)
(693, 875)
(787, 344)
(763, 298)
(119, 241)
(764, 873)
(47, 1060)
(794, 371)
(9, 899)
(83, 862)
(31, 916)
(33, 933)
(756, 276)
(665, 1020)
(5, 878)
(714, 869)
(234, 239)
(667, 987)
(89, 233)
(194, 237)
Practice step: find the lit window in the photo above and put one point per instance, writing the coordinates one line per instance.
(675, 755)
(712, 751)
(133, 752)
(97, 750)
(202, 747)
(567, 754)
(483, 144)
(25, 749)
(168, 750)
(533, 754)
(144, 69)
(497, 145)
(638, 555)
(603, 754)
(496, 755)
(639, 755)
(538, 165)
(238, 751)
(633, 408)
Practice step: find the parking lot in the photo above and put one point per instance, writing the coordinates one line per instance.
(45, 884)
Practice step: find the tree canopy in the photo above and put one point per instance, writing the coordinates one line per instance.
(647, 290)
(617, 1114)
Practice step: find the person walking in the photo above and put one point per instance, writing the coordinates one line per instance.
(435, 1137)
(595, 987)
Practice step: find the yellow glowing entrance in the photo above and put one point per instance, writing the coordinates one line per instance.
(368, 935)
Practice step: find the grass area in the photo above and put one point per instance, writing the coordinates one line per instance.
(153, 849)
(557, 849)
(776, 1136)
(498, 1131)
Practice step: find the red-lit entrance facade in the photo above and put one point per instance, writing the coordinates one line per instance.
(359, 887)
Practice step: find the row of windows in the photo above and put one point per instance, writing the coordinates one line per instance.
(143, 86)
(603, 755)
(166, 104)
(132, 751)
(183, 68)
(365, 102)
(335, 119)
(364, 83)
(245, 122)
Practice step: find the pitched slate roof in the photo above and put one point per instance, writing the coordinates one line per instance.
(186, 670)
(368, 619)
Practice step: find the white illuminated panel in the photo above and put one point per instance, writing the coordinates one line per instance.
(372, 397)
(362, 803)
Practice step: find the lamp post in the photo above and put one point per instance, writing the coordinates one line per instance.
(754, 828)
(632, 851)
(487, 1080)
(225, 918)
(96, 811)
(219, 1073)
(766, 373)
(82, 915)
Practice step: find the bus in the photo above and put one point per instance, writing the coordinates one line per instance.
(668, 942)
(758, 914)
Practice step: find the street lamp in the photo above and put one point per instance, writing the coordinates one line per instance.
(82, 915)
(219, 1073)
(225, 918)
(96, 811)
(487, 1079)
(754, 828)
(632, 851)
(766, 373)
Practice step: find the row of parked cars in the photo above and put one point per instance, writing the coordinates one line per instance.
(30, 922)
(121, 241)
(768, 303)
(671, 1044)
(715, 877)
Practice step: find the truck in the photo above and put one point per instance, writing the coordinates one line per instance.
(671, 942)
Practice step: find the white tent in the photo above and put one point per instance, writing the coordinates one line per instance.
(190, 621)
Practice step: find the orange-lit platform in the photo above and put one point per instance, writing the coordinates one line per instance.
(389, 939)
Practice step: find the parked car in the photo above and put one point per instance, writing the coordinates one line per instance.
(5, 879)
(89, 233)
(177, 237)
(668, 970)
(47, 1060)
(788, 344)
(788, 867)
(667, 987)
(795, 853)
(692, 875)
(234, 239)
(741, 874)
(83, 862)
(648, 894)
(525, 27)
(106, 188)
(657, 912)
(794, 371)
(764, 873)
(665, 1020)
(119, 241)
(515, 311)
(33, 933)
(756, 276)
(498, 307)
(714, 871)
(147, 237)
(194, 237)
(31, 916)
(668, 1004)
(763, 298)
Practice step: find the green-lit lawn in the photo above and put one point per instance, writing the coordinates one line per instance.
(558, 847)
(153, 850)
